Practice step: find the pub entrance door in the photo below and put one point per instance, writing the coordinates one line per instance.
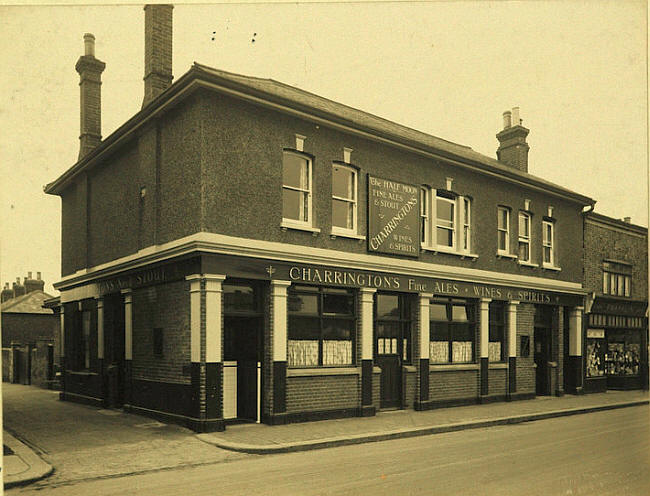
(114, 361)
(542, 339)
(392, 345)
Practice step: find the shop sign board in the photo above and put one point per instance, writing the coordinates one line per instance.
(596, 333)
(393, 217)
(616, 307)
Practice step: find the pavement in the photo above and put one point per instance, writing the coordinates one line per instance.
(72, 442)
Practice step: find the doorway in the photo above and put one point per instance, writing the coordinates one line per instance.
(243, 326)
(114, 372)
(392, 345)
(542, 340)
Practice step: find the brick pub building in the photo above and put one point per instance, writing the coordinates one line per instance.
(243, 250)
(616, 275)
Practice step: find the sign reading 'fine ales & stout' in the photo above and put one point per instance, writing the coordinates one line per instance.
(393, 217)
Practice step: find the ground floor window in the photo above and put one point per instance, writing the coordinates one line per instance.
(595, 352)
(496, 344)
(393, 326)
(452, 330)
(321, 326)
(623, 352)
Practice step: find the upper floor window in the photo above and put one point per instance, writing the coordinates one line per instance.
(503, 230)
(445, 222)
(425, 227)
(344, 199)
(524, 237)
(296, 189)
(617, 278)
(548, 242)
(466, 223)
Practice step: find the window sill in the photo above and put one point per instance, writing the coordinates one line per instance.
(551, 267)
(507, 255)
(284, 225)
(447, 251)
(497, 365)
(336, 233)
(452, 367)
(315, 371)
(409, 368)
(527, 264)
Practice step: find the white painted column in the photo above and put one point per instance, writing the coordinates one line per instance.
(62, 333)
(575, 332)
(512, 329)
(424, 324)
(100, 328)
(484, 326)
(367, 305)
(213, 320)
(195, 317)
(128, 324)
(279, 305)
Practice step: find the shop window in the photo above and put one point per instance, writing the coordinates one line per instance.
(617, 278)
(595, 352)
(344, 199)
(393, 326)
(296, 190)
(524, 237)
(548, 243)
(158, 341)
(623, 353)
(524, 346)
(503, 230)
(496, 344)
(452, 331)
(321, 326)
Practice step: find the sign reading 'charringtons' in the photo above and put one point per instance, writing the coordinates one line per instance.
(393, 217)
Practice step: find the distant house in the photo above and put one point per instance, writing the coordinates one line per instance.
(29, 333)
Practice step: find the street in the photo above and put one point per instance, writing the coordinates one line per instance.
(591, 454)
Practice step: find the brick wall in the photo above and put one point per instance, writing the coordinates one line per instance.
(163, 306)
(525, 366)
(497, 381)
(628, 244)
(456, 384)
(409, 384)
(27, 328)
(319, 393)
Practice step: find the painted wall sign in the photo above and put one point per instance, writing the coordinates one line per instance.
(147, 277)
(596, 333)
(393, 217)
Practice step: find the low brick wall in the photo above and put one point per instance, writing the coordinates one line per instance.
(323, 392)
(453, 384)
(497, 381)
(7, 365)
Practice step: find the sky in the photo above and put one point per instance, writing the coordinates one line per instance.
(577, 70)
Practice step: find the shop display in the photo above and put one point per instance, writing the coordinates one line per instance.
(595, 358)
(622, 359)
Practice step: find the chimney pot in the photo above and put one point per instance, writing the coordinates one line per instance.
(507, 119)
(516, 121)
(29, 275)
(627, 219)
(38, 276)
(89, 44)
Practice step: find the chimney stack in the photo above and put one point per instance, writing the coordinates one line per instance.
(157, 50)
(90, 71)
(33, 284)
(7, 293)
(627, 220)
(18, 288)
(513, 149)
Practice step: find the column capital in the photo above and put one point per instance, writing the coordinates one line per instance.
(425, 296)
(213, 282)
(280, 283)
(213, 277)
(100, 301)
(513, 303)
(368, 290)
(485, 301)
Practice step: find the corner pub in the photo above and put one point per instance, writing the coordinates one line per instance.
(242, 250)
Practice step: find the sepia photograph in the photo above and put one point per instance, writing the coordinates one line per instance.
(324, 248)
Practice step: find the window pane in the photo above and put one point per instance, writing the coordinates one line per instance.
(439, 331)
(547, 254)
(445, 213)
(445, 237)
(303, 328)
(466, 237)
(294, 171)
(302, 303)
(620, 283)
(467, 211)
(459, 313)
(439, 351)
(627, 285)
(343, 214)
(294, 205)
(502, 219)
(338, 303)
(387, 306)
(343, 182)
(502, 241)
(302, 353)
(462, 332)
(238, 298)
(523, 225)
(523, 252)
(438, 312)
(338, 329)
(423, 202)
(461, 351)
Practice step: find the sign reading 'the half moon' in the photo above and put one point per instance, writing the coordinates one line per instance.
(393, 217)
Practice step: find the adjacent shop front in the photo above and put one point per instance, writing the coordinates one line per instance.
(616, 343)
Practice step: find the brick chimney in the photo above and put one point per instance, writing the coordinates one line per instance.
(157, 50)
(34, 284)
(18, 288)
(7, 293)
(513, 149)
(90, 71)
